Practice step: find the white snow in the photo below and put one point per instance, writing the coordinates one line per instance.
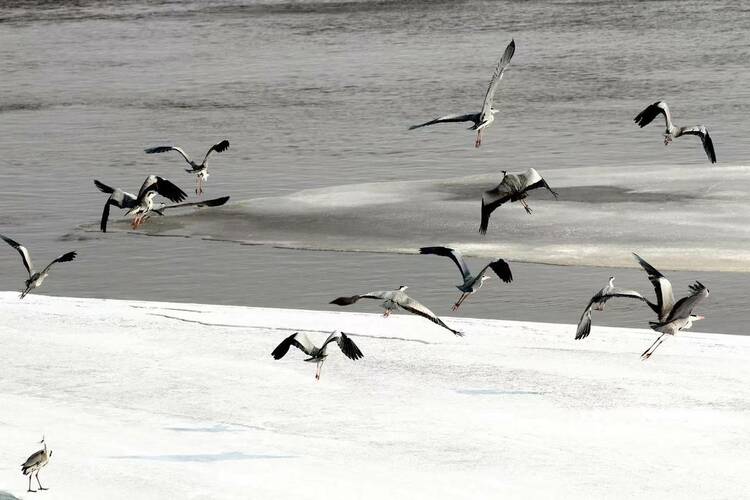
(158, 400)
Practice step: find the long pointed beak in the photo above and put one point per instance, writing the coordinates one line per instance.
(698, 318)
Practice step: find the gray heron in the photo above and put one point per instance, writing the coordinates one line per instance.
(471, 284)
(199, 169)
(486, 116)
(144, 202)
(597, 302)
(393, 299)
(512, 187)
(318, 354)
(35, 278)
(35, 462)
(672, 132)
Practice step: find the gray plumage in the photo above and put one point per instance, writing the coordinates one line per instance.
(34, 463)
(318, 354)
(144, 202)
(35, 278)
(200, 169)
(513, 187)
(672, 132)
(598, 301)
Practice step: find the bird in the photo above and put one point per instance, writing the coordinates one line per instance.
(123, 199)
(318, 354)
(486, 116)
(512, 187)
(35, 279)
(597, 302)
(672, 132)
(394, 299)
(672, 316)
(144, 202)
(35, 462)
(200, 169)
(471, 284)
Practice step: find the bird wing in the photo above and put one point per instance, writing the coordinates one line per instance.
(216, 202)
(452, 254)
(24, 253)
(584, 324)
(662, 287)
(684, 307)
(501, 269)
(218, 147)
(164, 149)
(346, 301)
(346, 345)
(118, 197)
(471, 117)
(491, 200)
(162, 186)
(66, 257)
(652, 111)
(35, 459)
(103, 187)
(414, 307)
(497, 75)
(298, 340)
(532, 180)
(105, 217)
(708, 144)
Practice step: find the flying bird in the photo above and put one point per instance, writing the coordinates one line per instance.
(35, 462)
(471, 284)
(513, 187)
(393, 299)
(200, 169)
(318, 354)
(123, 199)
(144, 202)
(672, 132)
(672, 316)
(35, 279)
(486, 116)
(598, 301)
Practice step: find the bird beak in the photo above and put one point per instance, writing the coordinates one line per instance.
(698, 318)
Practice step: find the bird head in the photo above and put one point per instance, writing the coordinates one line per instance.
(694, 317)
(611, 280)
(402, 288)
(493, 110)
(485, 278)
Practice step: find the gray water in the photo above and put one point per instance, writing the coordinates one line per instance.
(316, 98)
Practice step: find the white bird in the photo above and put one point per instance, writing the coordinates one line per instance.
(35, 279)
(35, 462)
(513, 187)
(672, 132)
(144, 202)
(394, 299)
(598, 301)
(673, 316)
(471, 284)
(486, 116)
(318, 354)
(200, 169)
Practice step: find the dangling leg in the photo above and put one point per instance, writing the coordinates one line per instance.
(525, 206)
(40, 484)
(458, 302)
(197, 183)
(387, 313)
(648, 352)
(317, 371)
(667, 139)
(478, 142)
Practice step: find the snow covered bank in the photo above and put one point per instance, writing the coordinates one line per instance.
(157, 400)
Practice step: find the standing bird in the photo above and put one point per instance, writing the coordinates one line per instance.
(394, 299)
(598, 301)
(471, 284)
(672, 132)
(486, 116)
(144, 203)
(200, 169)
(673, 317)
(513, 187)
(35, 279)
(318, 354)
(35, 462)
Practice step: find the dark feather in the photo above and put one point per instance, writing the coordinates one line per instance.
(349, 348)
(434, 319)
(103, 187)
(345, 301)
(502, 269)
(283, 347)
(647, 115)
(105, 217)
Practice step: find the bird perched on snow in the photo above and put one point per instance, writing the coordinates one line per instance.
(598, 301)
(199, 169)
(318, 354)
(486, 116)
(144, 202)
(35, 462)
(393, 299)
(35, 279)
(471, 284)
(513, 187)
(672, 132)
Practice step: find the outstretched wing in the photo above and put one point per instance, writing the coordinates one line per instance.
(491, 200)
(501, 269)
(662, 287)
(415, 307)
(219, 148)
(652, 111)
(584, 324)
(684, 307)
(346, 301)
(452, 254)
(532, 180)
(298, 340)
(66, 257)
(216, 202)
(162, 186)
(471, 117)
(23, 251)
(708, 144)
(164, 149)
(346, 345)
(497, 75)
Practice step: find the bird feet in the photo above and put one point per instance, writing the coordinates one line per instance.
(43, 489)
(667, 139)
(478, 142)
(31, 491)
(387, 313)
(455, 306)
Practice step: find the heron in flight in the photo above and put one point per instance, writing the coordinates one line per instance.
(471, 284)
(317, 354)
(144, 202)
(486, 116)
(597, 302)
(199, 169)
(513, 187)
(672, 132)
(35, 278)
(393, 299)
(35, 462)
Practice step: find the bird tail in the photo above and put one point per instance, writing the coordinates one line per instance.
(103, 187)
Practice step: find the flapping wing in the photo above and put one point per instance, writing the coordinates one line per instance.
(532, 180)
(652, 111)
(415, 307)
(452, 254)
(662, 287)
(118, 197)
(347, 346)
(164, 149)
(298, 340)
(708, 144)
(491, 200)
(219, 148)
(105, 217)
(162, 186)
(216, 202)
(471, 117)
(501, 269)
(584, 324)
(346, 301)
(495, 80)
(66, 257)
(684, 307)
(24, 253)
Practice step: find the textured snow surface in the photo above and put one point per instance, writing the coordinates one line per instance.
(158, 400)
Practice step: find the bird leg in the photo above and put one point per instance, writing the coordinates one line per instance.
(460, 301)
(648, 352)
(478, 142)
(30, 490)
(525, 206)
(39, 483)
(387, 313)
(136, 221)
(667, 139)
(317, 370)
